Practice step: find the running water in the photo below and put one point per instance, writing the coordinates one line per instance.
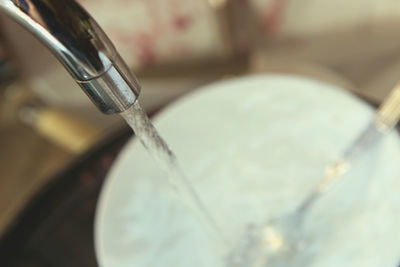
(247, 253)
(277, 242)
(166, 159)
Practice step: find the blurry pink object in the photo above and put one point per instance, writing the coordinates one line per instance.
(148, 32)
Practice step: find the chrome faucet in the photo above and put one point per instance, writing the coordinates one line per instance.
(78, 42)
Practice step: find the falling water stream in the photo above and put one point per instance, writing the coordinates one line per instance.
(243, 255)
(166, 159)
(277, 233)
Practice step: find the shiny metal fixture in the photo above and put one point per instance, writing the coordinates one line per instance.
(81, 46)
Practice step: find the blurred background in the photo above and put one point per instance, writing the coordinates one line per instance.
(56, 148)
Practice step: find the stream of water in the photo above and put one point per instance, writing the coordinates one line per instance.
(167, 161)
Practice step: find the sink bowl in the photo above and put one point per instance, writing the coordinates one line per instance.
(253, 147)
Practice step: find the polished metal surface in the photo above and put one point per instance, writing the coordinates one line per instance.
(82, 47)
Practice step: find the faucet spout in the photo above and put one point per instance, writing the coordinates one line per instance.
(79, 43)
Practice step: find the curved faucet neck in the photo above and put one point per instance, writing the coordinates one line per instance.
(79, 43)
